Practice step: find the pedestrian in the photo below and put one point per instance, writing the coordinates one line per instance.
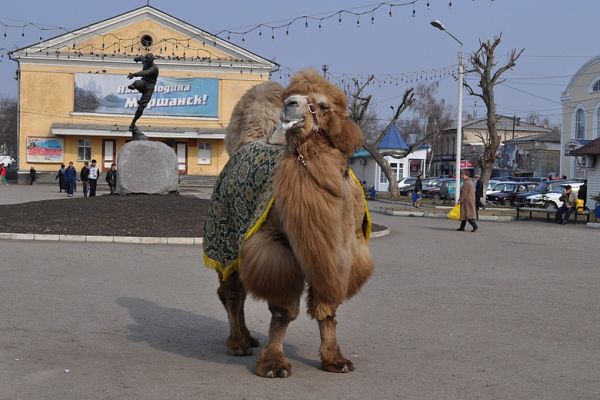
(32, 175)
(478, 195)
(3, 174)
(418, 191)
(83, 177)
(569, 201)
(70, 178)
(564, 177)
(467, 203)
(60, 175)
(111, 178)
(93, 178)
(550, 177)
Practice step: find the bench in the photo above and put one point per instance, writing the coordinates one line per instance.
(531, 210)
(549, 212)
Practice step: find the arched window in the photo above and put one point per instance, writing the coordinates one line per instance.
(596, 87)
(579, 124)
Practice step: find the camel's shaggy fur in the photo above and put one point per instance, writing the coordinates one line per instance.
(314, 232)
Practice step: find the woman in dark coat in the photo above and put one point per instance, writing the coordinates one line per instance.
(60, 175)
(467, 203)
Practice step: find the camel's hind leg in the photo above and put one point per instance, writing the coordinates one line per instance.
(272, 362)
(332, 359)
(233, 295)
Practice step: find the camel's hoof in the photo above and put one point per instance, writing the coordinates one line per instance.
(252, 341)
(273, 365)
(238, 348)
(340, 366)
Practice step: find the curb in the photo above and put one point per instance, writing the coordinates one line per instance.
(102, 239)
(379, 234)
(593, 225)
(494, 218)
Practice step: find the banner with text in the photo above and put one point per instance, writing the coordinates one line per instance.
(45, 150)
(183, 97)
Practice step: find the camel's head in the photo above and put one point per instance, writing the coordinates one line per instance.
(308, 91)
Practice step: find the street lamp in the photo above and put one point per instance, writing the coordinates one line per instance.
(461, 72)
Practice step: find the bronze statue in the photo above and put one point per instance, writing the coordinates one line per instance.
(145, 86)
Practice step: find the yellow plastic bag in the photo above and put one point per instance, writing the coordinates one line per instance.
(579, 204)
(454, 213)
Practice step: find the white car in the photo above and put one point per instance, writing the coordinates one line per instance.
(551, 199)
(406, 182)
(500, 186)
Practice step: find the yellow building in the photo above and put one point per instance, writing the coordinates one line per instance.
(74, 104)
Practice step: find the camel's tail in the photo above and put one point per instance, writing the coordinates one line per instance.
(255, 116)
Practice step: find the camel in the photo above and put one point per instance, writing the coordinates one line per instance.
(311, 235)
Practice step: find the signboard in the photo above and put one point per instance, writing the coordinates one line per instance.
(45, 150)
(468, 164)
(183, 97)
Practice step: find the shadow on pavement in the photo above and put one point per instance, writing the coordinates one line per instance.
(189, 334)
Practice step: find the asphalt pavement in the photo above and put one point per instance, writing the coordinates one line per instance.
(510, 312)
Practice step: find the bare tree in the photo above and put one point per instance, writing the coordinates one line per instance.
(360, 112)
(435, 114)
(8, 127)
(483, 63)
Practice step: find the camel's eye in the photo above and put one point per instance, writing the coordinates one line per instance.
(323, 106)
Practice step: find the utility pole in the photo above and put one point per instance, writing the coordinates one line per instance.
(325, 68)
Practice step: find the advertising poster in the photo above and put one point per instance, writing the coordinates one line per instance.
(182, 97)
(45, 150)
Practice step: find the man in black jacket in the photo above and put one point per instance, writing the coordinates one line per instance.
(478, 194)
(83, 177)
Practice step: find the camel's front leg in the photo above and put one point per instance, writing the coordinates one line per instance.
(332, 359)
(272, 362)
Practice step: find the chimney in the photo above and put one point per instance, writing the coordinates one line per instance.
(469, 117)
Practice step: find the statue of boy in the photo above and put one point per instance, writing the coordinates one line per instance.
(145, 86)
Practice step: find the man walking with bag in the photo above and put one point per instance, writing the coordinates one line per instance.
(467, 203)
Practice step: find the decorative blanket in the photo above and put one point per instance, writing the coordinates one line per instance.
(240, 203)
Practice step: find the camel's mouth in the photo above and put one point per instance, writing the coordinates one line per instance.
(288, 124)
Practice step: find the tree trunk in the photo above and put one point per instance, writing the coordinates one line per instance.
(385, 168)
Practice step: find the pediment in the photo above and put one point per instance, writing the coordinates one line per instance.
(120, 39)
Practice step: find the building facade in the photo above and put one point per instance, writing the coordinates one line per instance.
(537, 155)
(580, 115)
(473, 132)
(74, 104)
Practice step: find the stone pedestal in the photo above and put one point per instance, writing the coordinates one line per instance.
(147, 167)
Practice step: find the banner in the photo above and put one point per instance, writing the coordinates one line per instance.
(45, 150)
(183, 97)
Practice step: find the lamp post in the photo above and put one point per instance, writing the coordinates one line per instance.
(461, 72)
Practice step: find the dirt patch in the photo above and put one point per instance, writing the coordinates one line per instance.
(134, 215)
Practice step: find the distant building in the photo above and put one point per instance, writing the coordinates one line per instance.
(588, 159)
(74, 104)
(537, 155)
(581, 115)
(366, 169)
(509, 128)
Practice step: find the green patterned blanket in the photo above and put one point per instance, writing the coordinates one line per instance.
(240, 203)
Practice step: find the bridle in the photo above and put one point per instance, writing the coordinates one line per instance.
(315, 132)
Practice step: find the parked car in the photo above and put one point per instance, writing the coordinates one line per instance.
(448, 189)
(527, 178)
(544, 187)
(405, 182)
(498, 186)
(551, 199)
(508, 195)
(431, 187)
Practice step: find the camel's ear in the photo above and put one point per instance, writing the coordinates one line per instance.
(351, 137)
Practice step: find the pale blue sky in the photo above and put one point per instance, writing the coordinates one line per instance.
(558, 37)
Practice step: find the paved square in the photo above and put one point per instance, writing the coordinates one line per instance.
(511, 312)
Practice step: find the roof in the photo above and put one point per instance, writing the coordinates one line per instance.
(47, 51)
(590, 149)
(545, 137)
(505, 123)
(392, 140)
(61, 129)
(577, 75)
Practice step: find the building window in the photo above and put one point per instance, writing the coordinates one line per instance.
(400, 174)
(84, 150)
(579, 124)
(204, 154)
(146, 41)
(596, 87)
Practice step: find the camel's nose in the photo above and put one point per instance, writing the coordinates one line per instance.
(294, 101)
